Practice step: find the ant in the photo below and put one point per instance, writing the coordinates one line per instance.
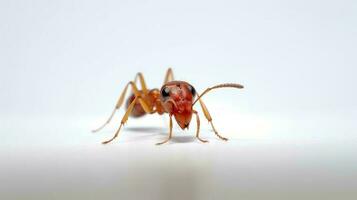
(176, 98)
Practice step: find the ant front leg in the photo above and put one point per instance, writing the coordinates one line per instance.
(209, 118)
(198, 127)
(170, 133)
(204, 108)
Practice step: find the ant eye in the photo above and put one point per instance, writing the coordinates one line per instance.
(165, 92)
(192, 90)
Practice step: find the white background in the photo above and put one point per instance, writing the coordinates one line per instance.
(292, 129)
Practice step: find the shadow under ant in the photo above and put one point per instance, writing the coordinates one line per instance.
(146, 132)
(158, 131)
(148, 129)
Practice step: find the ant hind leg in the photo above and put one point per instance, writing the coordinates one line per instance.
(142, 82)
(169, 76)
(123, 121)
(119, 103)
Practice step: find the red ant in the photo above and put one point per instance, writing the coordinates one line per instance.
(176, 98)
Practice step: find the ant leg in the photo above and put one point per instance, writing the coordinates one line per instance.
(121, 99)
(170, 134)
(119, 103)
(204, 108)
(198, 127)
(142, 82)
(169, 76)
(146, 107)
(123, 121)
(209, 118)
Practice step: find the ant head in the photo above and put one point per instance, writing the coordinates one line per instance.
(177, 98)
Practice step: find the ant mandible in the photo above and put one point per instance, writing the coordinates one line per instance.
(176, 98)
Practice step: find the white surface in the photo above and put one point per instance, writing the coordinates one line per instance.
(292, 129)
(68, 162)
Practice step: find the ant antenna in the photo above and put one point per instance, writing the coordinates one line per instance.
(233, 85)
